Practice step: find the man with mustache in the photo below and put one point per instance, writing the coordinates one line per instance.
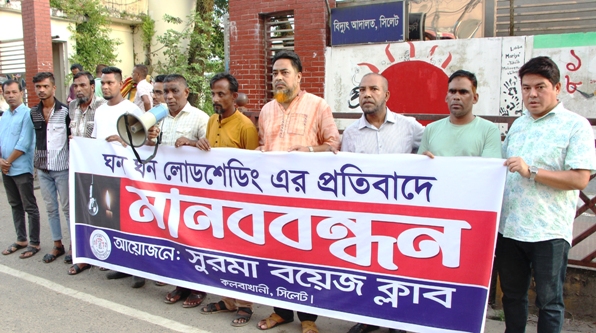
(82, 112)
(379, 131)
(51, 122)
(17, 140)
(228, 127)
(294, 121)
(184, 125)
(462, 133)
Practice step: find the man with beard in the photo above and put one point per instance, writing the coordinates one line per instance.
(462, 133)
(294, 121)
(184, 125)
(82, 112)
(51, 122)
(16, 161)
(379, 131)
(228, 127)
(106, 116)
(105, 127)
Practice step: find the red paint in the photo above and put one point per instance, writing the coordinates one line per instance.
(372, 67)
(417, 87)
(388, 53)
(573, 67)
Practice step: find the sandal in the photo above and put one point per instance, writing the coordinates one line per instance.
(194, 299)
(176, 294)
(246, 317)
(48, 258)
(14, 247)
(309, 327)
(68, 259)
(272, 321)
(76, 269)
(363, 328)
(215, 308)
(29, 252)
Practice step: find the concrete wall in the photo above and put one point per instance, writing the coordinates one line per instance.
(418, 72)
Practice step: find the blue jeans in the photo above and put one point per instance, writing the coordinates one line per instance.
(517, 262)
(54, 186)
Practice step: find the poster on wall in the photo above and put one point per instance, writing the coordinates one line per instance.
(575, 55)
(410, 239)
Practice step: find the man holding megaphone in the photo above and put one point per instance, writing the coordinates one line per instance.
(183, 125)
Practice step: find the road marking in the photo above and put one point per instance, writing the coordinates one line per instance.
(122, 309)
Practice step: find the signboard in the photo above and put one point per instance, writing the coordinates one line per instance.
(377, 23)
(408, 238)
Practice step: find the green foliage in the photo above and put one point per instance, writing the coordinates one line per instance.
(195, 50)
(91, 34)
(147, 33)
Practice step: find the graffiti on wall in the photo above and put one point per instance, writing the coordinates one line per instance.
(418, 72)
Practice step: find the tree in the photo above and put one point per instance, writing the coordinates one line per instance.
(91, 33)
(196, 51)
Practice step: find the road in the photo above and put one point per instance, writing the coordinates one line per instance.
(43, 297)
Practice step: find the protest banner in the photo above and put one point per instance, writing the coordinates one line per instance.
(399, 241)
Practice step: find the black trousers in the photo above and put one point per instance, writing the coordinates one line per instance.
(19, 191)
(288, 315)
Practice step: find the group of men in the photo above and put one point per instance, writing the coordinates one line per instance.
(548, 151)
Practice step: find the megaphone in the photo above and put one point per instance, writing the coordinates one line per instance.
(133, 130)
(138, 127)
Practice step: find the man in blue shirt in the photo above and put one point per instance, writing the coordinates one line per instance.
(16, 162)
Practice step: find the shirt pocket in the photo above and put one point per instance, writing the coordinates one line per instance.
(16, 127)
(56, 136)
(297, 123)
(89, 128)
(184, 131)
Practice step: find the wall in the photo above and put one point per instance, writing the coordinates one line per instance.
(418, 71)
(157, 10)
(247, 50)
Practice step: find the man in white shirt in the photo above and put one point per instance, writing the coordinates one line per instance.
(143, 95)
(106, 116)
(379, 131)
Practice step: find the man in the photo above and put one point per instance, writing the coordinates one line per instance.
(550, 156)
(294, 121)
(51, 122)
(74, 69)
(16, 161)
(98, 70)
(228, 127)
(106, 116)
(462, 133)
(183, 126)
(82, 112)
(379, 131)
(157, 92)
(105, 127)
(142, 97)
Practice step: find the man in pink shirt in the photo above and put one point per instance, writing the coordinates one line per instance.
(294, 121)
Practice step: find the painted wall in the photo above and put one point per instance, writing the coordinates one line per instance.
(418, 72)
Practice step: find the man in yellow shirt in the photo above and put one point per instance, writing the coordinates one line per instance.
(228, 127)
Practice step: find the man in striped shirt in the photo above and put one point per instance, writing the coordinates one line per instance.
(379, 131)
(51, 122)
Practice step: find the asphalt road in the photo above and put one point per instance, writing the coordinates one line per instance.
(40, 297)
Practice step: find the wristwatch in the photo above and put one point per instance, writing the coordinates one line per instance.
(311, 149)
(533, 172)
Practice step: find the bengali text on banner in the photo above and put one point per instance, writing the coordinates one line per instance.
(401, 241)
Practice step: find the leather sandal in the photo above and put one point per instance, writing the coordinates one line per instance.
(272, 321)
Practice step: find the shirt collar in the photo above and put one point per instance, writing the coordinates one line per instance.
(558, 108)
(187, 108)
(17, 108)
(390, 117)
